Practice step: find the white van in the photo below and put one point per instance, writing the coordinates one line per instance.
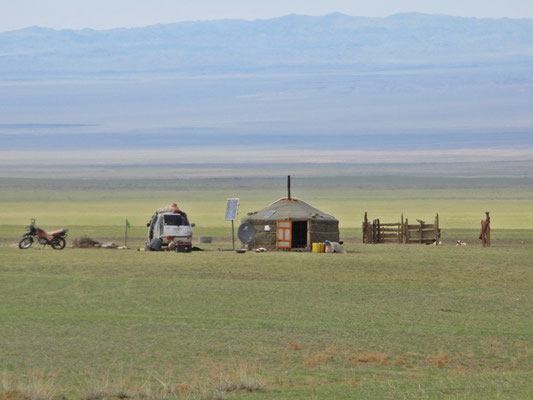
(170, 224)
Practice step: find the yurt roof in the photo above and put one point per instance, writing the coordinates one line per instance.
(292, 208)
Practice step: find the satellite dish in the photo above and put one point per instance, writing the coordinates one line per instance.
(246, 233)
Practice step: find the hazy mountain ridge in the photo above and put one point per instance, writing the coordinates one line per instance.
(354, 87)
(335, 40)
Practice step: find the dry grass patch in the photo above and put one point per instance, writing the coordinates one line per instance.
(222, 380)
(35, 386)
(14, 395)
(244, 378)
(317, 359)
(216, 384)
(373, 357)
(462, 362)
(399, 360)
(294, 346)
(441, 360)
(353, 384)
(107, 388)
(523, 356)
(323, 358)
(326, 356)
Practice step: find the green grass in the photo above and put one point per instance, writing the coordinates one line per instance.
(460, 202)
(92, 313)
(379, 322)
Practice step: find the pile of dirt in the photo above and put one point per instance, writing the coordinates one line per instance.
(85, 243)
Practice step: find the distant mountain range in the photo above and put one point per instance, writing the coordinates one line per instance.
(236, 90)
(291, 43)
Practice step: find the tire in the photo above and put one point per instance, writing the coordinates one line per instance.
(25, 242)
(58, 243)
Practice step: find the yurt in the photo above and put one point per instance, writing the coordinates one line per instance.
(291, 223)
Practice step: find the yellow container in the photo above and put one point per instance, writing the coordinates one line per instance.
(318, 247)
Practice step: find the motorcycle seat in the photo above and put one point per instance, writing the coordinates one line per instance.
(59, 232)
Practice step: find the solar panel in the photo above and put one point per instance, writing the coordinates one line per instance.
(231, 209)
(270, 213)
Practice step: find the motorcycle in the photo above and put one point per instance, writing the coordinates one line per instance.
(56, 239)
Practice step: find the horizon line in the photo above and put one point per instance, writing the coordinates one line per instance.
(251, 20)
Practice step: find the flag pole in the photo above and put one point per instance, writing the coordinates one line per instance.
(126, 234)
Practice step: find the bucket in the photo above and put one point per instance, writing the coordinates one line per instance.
(328, 247)
(318, 247)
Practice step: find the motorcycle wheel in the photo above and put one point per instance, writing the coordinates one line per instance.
(58, 243)
(25, 243)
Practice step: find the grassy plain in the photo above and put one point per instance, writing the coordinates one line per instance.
(100, 207)
(377, 322)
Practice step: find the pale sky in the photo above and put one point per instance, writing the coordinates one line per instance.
(104, 14)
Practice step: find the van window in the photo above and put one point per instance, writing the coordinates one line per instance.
(175, 219)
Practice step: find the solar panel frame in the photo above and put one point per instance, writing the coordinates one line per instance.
(232, 207)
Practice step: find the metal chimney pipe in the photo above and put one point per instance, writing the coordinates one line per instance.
(289, 186)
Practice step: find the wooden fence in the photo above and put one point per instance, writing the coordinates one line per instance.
(401, 232)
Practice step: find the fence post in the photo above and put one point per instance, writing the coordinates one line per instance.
(400, 231)
(366, 229)
(436, 227)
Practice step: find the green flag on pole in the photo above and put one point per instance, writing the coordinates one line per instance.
(128, 225)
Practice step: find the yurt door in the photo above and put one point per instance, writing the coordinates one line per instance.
(284, 234)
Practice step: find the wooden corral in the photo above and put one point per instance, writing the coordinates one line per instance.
(401, 232)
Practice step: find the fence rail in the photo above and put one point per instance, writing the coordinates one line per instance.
(401, 232)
